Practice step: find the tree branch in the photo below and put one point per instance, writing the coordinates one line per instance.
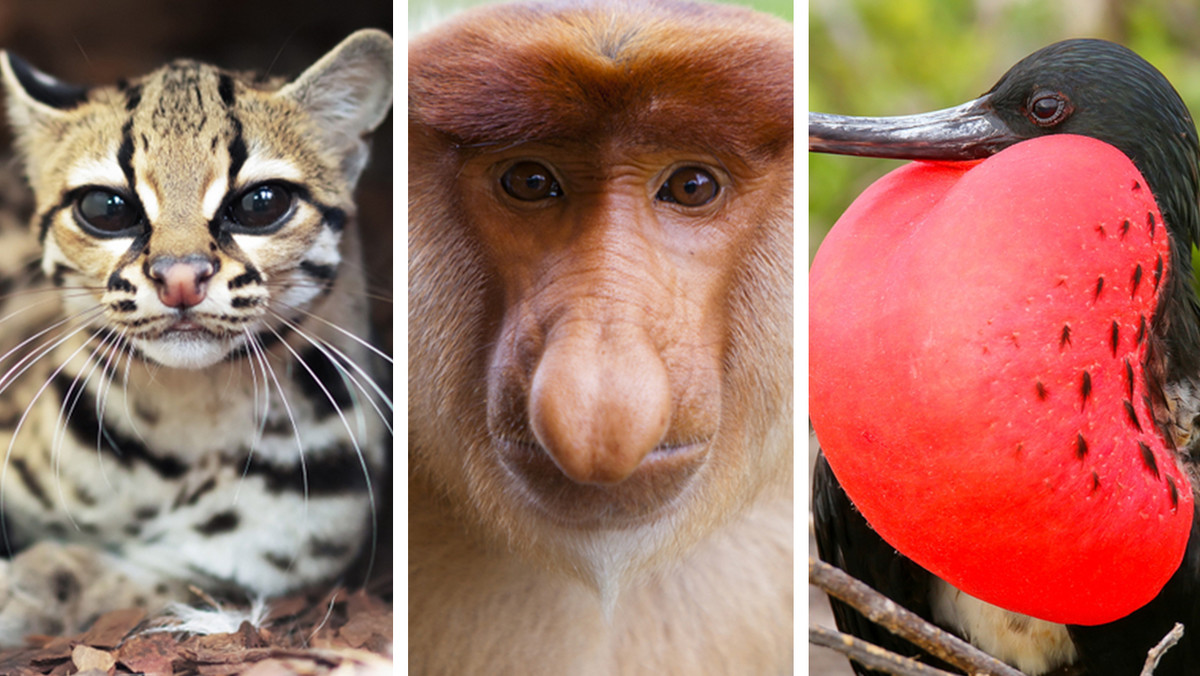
(1163, 646)
(870, 655)
(904, 623)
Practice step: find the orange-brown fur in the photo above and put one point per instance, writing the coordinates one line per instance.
(600, 405)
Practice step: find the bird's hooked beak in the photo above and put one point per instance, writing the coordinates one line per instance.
(969, 131)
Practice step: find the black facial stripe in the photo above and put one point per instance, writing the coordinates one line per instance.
(58, 277)
(125, 156)
(47, 219)
(334, 217)
(318, 271)
(138, 247)
(246, 301)
(124, 306)
(250, 276)
(225, 89)
(133, 97)
(237, 151)
(118, 283)
(87, 431)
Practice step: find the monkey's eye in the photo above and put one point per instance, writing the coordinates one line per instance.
(530, 182)
(689, 186)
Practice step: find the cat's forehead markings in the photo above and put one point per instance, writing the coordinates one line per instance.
(214, 195)
(149, 198)
(94, 171)
(258, 168)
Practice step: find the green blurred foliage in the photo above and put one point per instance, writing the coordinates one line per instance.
(880, 57)
(425, 13)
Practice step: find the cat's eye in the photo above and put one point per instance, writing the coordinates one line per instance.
(689, 187)
(107, 214)
(530, 182)
(261, 207)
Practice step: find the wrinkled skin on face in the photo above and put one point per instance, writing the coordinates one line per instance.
(600, 288)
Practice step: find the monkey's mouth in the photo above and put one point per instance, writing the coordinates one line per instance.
(645, 496)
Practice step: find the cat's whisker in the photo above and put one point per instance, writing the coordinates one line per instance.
(129, 417)
(120, 345)
(365, 343)
(362, 460)
(74, 392)
(342, 360)
(65, 320)
(65, 292)
(25, 415)
(26, 362)
(382, 295)
(263, 415)
(263, 360)
(255, 355)
(70, 399)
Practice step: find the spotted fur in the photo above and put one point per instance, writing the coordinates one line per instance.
(187, 396)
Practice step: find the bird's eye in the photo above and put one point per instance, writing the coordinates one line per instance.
(1047, 109)
(260, 207)
(690, 187)
(107, 214)
(530, 182)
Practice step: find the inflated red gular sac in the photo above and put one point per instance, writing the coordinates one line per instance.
(978, 345)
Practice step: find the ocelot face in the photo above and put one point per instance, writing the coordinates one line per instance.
(190, 213)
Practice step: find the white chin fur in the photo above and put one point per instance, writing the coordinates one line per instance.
(185, 352)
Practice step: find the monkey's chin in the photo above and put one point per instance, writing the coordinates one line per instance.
(641, 499)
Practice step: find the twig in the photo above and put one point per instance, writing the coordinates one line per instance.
(1163, 646)
(870, 655)
(904, 623)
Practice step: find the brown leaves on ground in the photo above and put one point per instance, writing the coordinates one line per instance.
(342, 634)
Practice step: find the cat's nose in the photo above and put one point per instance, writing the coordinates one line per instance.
(182, 282)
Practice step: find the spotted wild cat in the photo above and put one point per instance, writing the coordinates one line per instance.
(187, 394)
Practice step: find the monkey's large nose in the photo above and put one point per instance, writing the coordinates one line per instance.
(599, 402)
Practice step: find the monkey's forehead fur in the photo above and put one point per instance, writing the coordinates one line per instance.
(653, 73)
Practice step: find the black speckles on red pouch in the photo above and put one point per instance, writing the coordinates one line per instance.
(1149, 461)
(1085, 389)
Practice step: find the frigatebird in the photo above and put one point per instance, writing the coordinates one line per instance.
(982, 411)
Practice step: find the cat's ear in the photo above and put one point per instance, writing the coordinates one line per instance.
(348, 92)
(36, 103)
(33, 97)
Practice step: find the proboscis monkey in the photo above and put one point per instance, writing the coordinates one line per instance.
(600, 360)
